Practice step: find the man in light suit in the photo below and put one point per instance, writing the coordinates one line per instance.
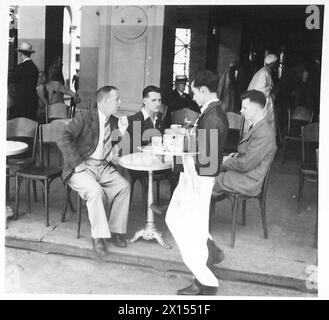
(89, 153)
(245, 170)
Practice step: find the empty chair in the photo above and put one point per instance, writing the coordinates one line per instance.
(21, 129)
(57, 111)
(179, 116)
(48, 133)
(235, 122)
(296, 119)
(308, 169)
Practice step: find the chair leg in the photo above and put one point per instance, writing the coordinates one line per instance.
(18, 183)
(244, 216)
(157, 188)
(47, 201)
(79, 216)
(284, 151)
(28, 203)
(67, 190)
(300, 192)
(34, 186)
(7, 184)
(235, 208)
(263, 214)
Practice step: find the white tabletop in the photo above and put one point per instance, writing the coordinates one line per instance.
(144, 162)
(165, 152)
(16, 147)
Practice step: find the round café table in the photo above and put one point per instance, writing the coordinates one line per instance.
(141, 161)
(14, 148)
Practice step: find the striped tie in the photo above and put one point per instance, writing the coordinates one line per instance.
(107, 146)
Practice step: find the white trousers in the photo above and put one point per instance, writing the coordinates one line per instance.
(105, 190)
(188, 220)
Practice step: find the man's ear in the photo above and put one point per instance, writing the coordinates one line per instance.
(204, 90)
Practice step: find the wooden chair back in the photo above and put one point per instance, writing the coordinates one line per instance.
(49, 134)
(310, 134)
(300, 113)
(26, 130)
(179, 116)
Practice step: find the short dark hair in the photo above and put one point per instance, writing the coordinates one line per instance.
(206, 78)
(101, 92)
(255, 96)
(149, 89)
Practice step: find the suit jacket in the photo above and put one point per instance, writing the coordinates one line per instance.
(144, 125)
(174, 101)
(80, 138)
(212, 118)
(245, 173)
(25, 78)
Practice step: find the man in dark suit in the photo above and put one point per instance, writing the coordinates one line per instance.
(89, 153)
(148, 121)
(177, 99)
(245, 170)
(187, 231)
(24, 79)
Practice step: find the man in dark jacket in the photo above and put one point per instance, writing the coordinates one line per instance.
(190, 226)
(89, 154)
(24, 80)
(177, 99)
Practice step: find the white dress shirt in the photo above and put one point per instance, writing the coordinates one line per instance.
(99, 152)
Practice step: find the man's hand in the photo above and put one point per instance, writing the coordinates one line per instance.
(231, 155)
(81, 167)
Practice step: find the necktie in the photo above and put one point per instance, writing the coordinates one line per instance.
(157, 124)
(107, 146)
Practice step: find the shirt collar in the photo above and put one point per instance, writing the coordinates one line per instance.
(102, 116)
(206, 105)
(146, 115)
(26, 59)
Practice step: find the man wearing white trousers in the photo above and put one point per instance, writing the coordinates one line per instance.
(188, 212)
(89, 154)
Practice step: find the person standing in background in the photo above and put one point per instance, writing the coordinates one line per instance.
(24, 80)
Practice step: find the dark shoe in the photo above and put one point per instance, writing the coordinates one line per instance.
(207, 290)
(119, 240)
(216, 255)
(192, 290)
(99, 246)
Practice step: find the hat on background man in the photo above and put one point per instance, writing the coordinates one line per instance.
(181, 78)
(25, 47)
(270, 58)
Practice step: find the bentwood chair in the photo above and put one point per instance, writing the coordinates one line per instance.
(236, 199)
(21, 129)
(308, 169)
(48, 134)
(179, 116)
(315, 242)
(236, 123)
(296, 119)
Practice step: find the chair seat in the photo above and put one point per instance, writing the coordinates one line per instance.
(39, 172)
(309, 169)
(218, 196)
(294, 138)
(18, 163)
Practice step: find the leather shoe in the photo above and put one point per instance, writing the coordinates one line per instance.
(197, 289)
(192, 290)
(216, 255)
(119, 240)
(99, 246)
